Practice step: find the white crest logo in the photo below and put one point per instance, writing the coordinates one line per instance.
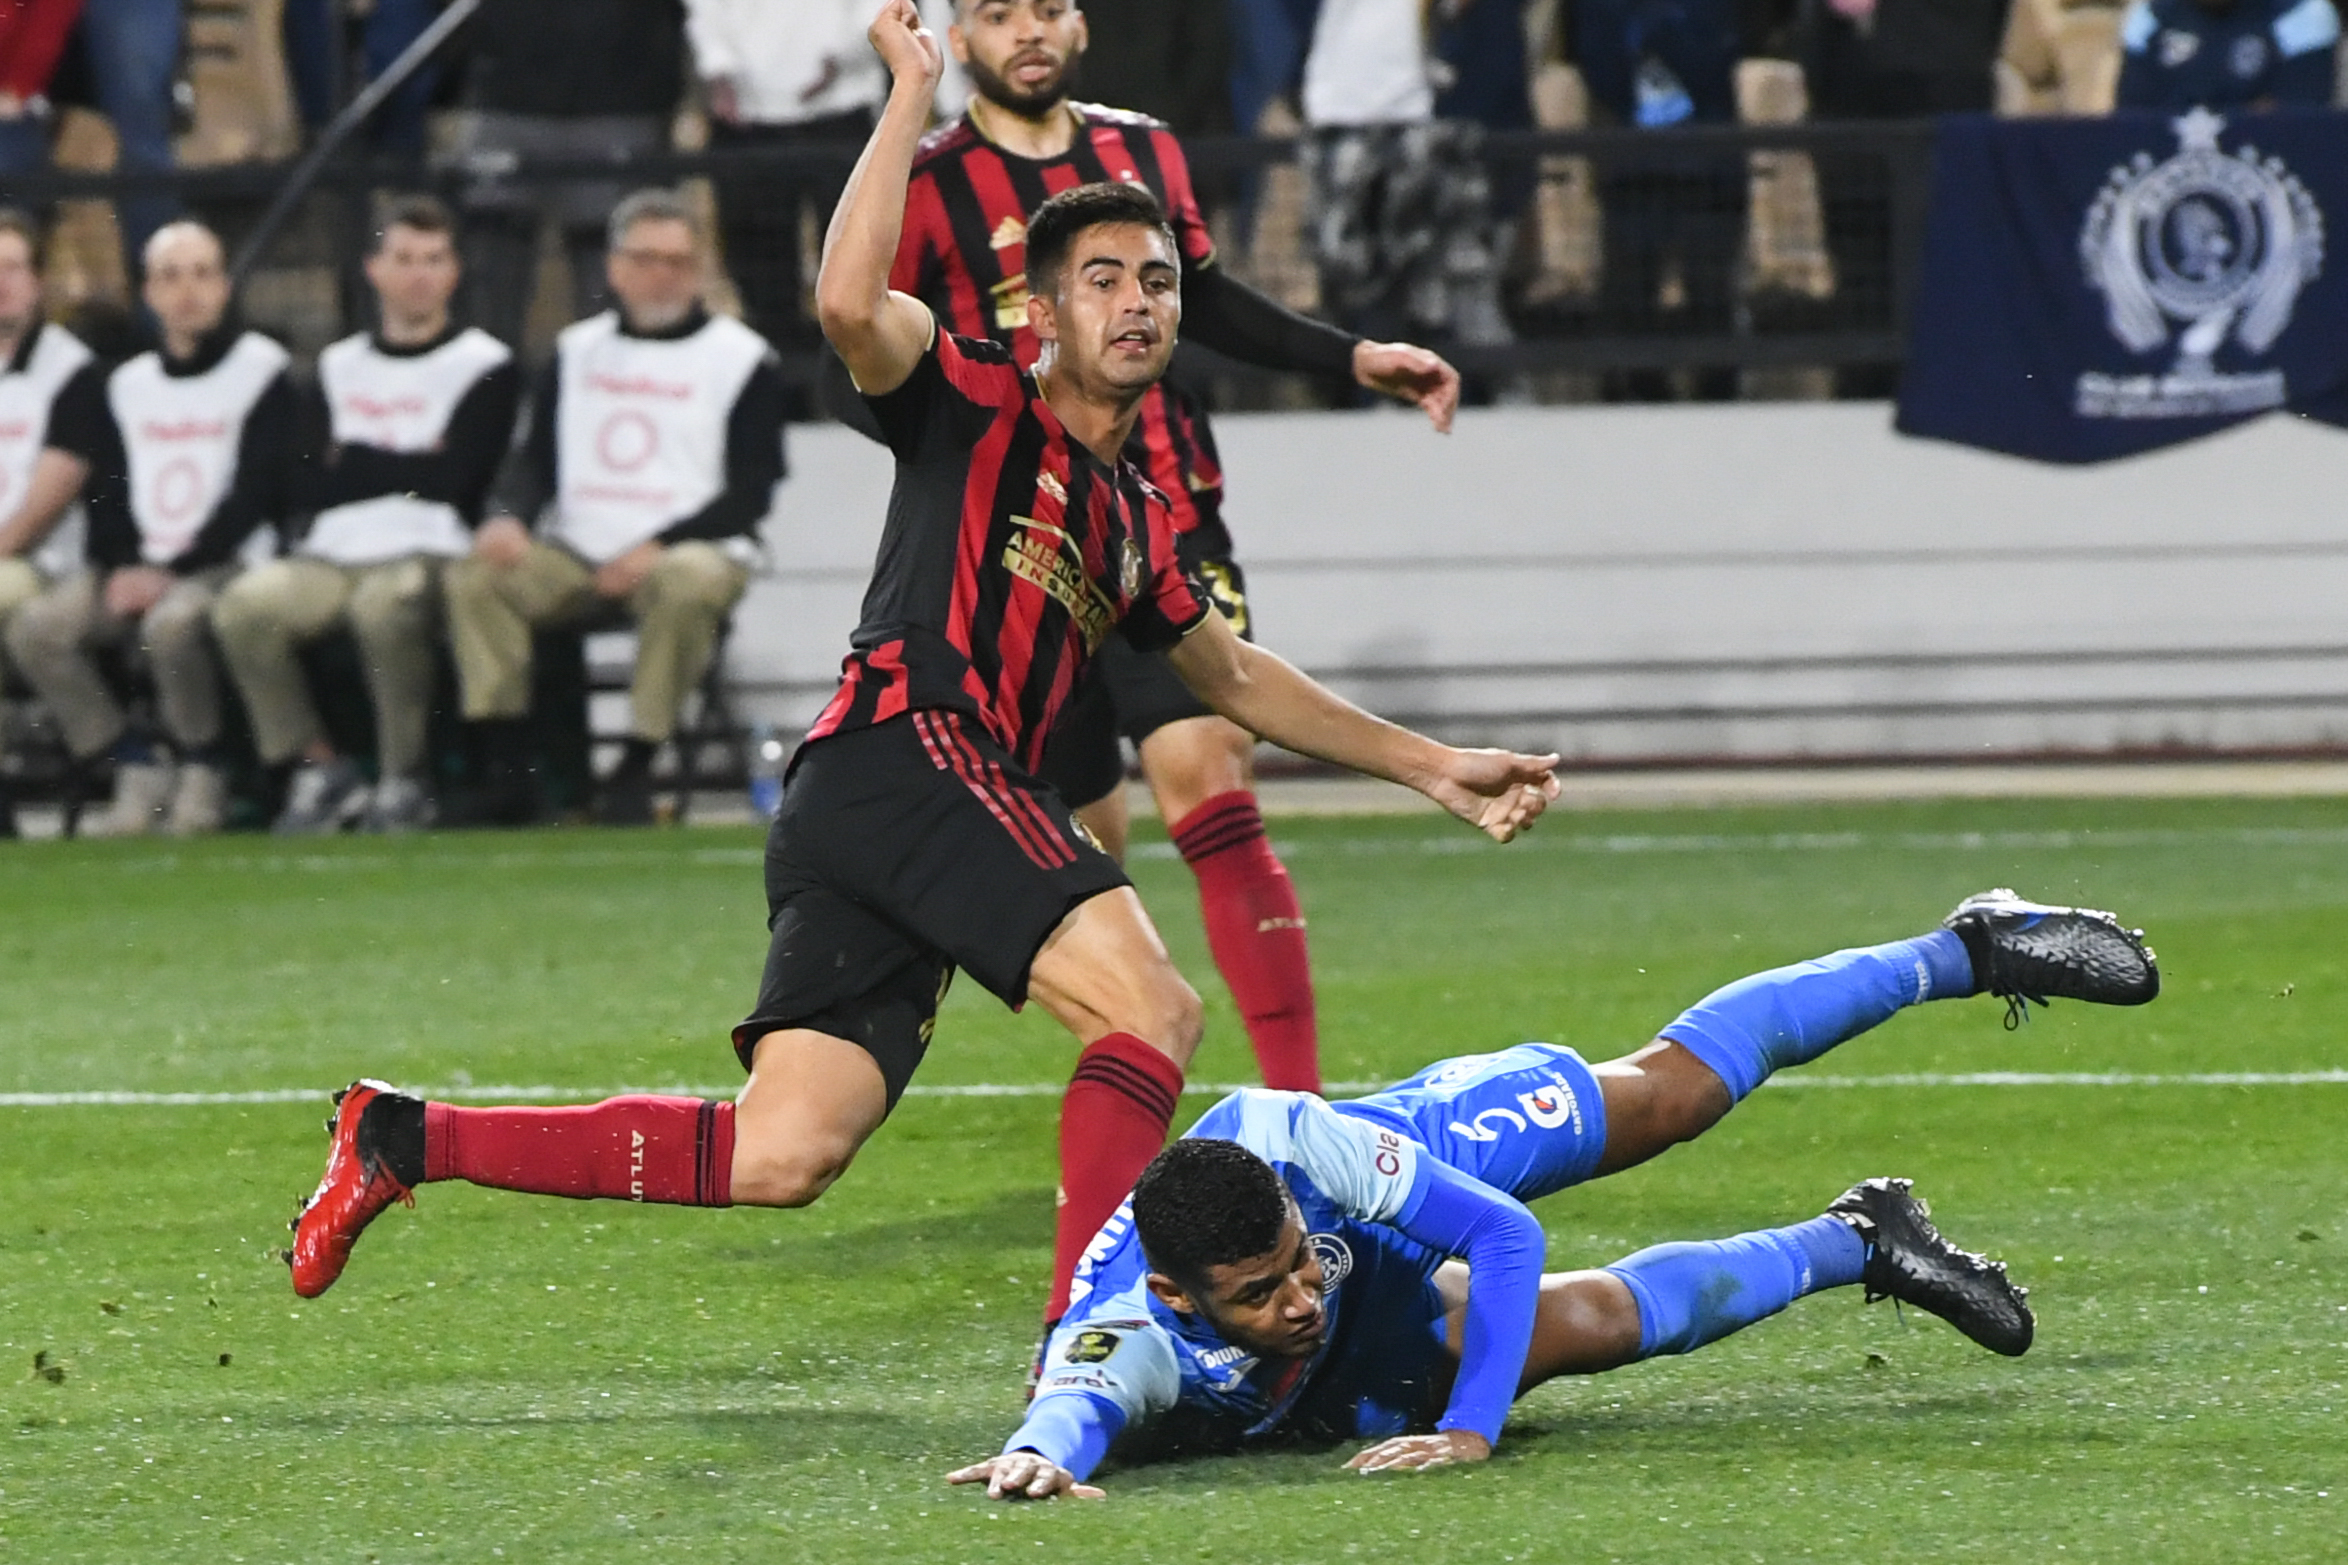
(2203, 246)
(1336, 1258)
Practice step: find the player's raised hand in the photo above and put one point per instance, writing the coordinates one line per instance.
(907, 48)
(1024, 1475)
(1410, 374)
(1498, 792)
(1416, 1453)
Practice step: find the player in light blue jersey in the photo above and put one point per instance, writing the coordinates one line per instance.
(1293, 1266)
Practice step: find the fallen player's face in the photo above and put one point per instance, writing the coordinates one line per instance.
(1269, 1305)
(1119, 311)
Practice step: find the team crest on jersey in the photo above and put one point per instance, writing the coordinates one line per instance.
(1010, 231)
(1129, 566)
(2202, 247)
(1335, 1256)
(1010, 296)
(1091, 1347)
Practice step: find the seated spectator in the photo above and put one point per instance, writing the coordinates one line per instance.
(316, 47)
(36, 485)
(1902, 59)
(32, 36)
(782, 76)
(183, 453)
(653, 448)
(1655, 64)
(2227, 54)
(1171, 62)
(556, 81)
(1400, 209)
(407, 425)
(1886, 59)
(130, 49)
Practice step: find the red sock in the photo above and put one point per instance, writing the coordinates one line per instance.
(1256, 930)
(1112, 1123)
(678, 1151)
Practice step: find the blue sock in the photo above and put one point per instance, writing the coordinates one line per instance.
(1691, 1294)
(1792, 1015)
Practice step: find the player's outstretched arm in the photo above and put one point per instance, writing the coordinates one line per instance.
(1497, 791)
(1024, 1475)
(878, 334)
(1223, 313)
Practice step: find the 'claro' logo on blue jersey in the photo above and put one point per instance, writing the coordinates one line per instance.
(1544, 1107)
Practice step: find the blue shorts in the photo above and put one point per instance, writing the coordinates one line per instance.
(1528, 1120)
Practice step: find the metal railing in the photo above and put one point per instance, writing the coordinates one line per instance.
(1616, 253)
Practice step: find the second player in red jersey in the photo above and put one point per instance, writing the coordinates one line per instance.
(975, 184)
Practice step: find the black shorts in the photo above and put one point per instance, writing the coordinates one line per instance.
(1132, 695)
(901, 852)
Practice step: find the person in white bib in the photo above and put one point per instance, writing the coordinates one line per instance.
(37, 486)
(184, 454)
(403, 430)
(653, 448)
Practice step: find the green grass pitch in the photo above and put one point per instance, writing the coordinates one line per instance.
(499, 1377)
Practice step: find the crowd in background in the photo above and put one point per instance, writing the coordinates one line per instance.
(1403, 226)
(239, 505)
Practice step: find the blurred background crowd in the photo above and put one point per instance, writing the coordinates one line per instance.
(1483, 175)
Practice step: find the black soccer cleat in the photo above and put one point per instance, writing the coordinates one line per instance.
(1908, 1260)
(2027, 953)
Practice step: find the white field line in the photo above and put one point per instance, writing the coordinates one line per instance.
(1445, 845)
(1044, 1089)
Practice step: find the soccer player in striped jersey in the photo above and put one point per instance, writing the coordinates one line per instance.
(964, 254)
(914, 837)
(1292, 1267)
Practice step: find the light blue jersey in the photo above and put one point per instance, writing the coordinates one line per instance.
(1524, 1122)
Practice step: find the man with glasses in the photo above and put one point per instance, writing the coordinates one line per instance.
(654, 444)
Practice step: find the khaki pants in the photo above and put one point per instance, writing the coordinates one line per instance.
(678, 611)
(53, 640)
(19, 585)
(268, 614)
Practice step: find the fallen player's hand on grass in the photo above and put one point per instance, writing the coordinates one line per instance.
(1025, 1475)
(1496, 791)
(1415, 1453)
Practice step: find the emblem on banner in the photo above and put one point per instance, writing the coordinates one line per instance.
(2201, 248)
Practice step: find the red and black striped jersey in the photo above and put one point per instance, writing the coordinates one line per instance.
(1011, 552)
(964, 254)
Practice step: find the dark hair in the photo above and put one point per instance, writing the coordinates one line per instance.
(17, 221)
(1053, 230)
(424, 214)
(1204, 1203)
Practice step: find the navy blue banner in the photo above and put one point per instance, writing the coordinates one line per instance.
(2095, 288)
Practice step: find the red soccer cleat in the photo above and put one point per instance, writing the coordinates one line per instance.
(358, 1184)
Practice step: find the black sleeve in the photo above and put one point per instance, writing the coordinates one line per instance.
(268, 455)
(1223, 313)
(86, 429)
(457, 472)
(836, 390)
(307, 488)
(754, 462)
(526, 482)
(79, 421)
